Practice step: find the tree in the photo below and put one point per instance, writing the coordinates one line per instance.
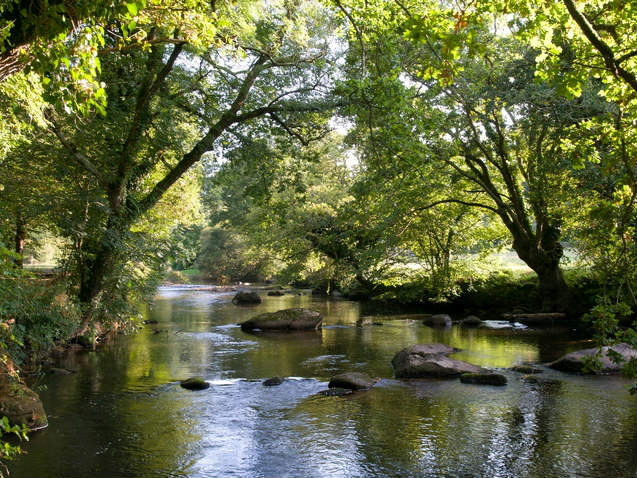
(171, 105)
(292, 203)
(488, 139)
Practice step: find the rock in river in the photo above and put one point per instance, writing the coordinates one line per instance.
(471, 321)
(484, 378)
(429, 360)
(523, 368)
(335, 392)
(194, 383)
(352, 381)
(20, 404)
(438, 320)
(246, 297)
(275, 293)
(575, 361)
(284, 320)
(273, 382)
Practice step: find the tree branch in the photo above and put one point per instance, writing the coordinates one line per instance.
(78, 156)
(457, 201)
(600, 45)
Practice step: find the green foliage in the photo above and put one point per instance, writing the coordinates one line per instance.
(7, 450)
(34, 314)
(185, 245)
(225, 257)
(606, 319)
(176, 277)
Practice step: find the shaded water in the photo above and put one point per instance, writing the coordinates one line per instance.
(124, 414)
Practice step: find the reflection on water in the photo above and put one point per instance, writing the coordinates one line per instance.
(123, 413)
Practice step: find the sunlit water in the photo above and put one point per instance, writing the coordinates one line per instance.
(124, 414)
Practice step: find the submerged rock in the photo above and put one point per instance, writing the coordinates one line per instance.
(335, 392)
(352, 381)
(438, 320)
(577, 361)
(246, 297)
(275, 293)
(194, 383)
(543, 383)
(273, 382)
(284, 320)
(484, 378)
(429, 360)
(526, 369)
(471, 321)
(60, 371)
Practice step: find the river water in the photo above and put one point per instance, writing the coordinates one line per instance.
(123, 414)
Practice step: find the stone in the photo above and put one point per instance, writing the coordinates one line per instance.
(536, 319)
(20, 404)
(484, 378)
(284, 320)
(194, 383)
(429, 360)
(471, 321)
(273, 382)
(438, 320)
(352, 381)
(526, 369)
(246, 297)
(335, 392)
(275, 293)
(60, 371)
(151, 322)
(544, 383)
(576, 361)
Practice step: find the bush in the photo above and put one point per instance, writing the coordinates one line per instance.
(34, 314)
(176, 277)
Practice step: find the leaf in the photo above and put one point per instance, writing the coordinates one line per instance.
(132, 8)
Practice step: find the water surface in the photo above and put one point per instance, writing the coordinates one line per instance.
(124, 414)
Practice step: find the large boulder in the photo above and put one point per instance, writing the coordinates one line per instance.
(284, 320)
(246, 297)
(20, 404)
(429, 360)
(576, 361)
(438, 320)
(352, 381)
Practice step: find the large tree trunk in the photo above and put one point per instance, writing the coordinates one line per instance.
(95, 274)
(544, 259)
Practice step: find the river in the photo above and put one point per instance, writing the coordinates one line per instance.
(123, 414)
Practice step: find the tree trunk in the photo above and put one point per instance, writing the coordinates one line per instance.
(95, 274)
(20, 238)
(544, 259)
(554, 292)
(10, 63)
